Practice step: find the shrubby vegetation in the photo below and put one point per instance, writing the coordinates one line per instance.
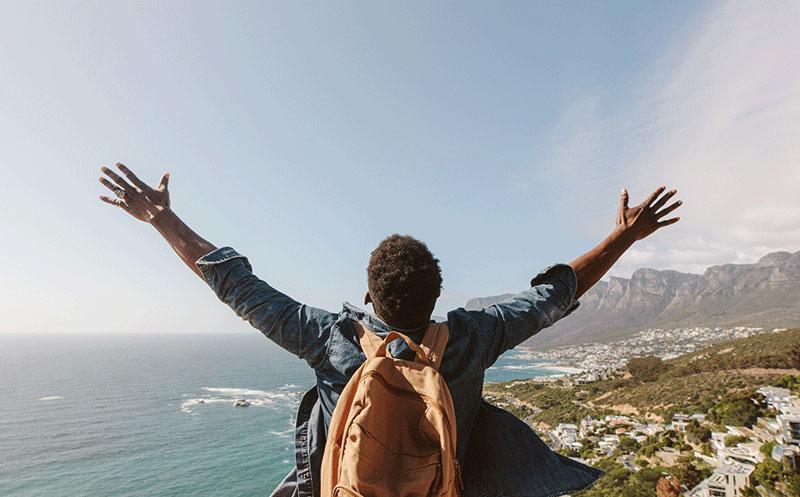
(619, 482)
(628, 445)
(788, 381)
(768, 351)
(646, 368)
(736, 409)
(734, 440)
(557, 403)
(697, 433)
(772, 475)
(690, 471)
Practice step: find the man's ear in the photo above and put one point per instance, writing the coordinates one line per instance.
(367, 299)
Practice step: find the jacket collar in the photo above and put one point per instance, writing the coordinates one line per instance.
(374, 323)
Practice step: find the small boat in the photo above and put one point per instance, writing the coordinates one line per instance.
(241, 403)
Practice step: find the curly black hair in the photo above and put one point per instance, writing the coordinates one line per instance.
(404, 281)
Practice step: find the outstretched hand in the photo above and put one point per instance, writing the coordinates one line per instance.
(633, 223)
(644, 219)
(137, 199)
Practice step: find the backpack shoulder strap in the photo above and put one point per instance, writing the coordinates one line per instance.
(434, 343)
(369, 341)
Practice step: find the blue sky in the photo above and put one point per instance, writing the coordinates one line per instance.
(302, 133)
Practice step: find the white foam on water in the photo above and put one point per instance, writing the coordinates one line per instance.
(288, 432)
(553, 369)
(256, 398)
(536, 365)
(239, 392)
(52, 397)
(516, 366)
(186, 405)
(283, 434)
(520, 355)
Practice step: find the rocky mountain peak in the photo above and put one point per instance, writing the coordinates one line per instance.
(766, 293)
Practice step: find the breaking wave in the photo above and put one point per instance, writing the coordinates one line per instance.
(287, 395)
(288, 432)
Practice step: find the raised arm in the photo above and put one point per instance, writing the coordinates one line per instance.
(298, 328)
(555, 291)
(633, 223)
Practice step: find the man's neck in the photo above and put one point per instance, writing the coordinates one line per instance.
(403, 327)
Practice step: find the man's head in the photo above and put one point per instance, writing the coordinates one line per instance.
(404, 281)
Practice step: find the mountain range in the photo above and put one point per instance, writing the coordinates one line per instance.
(766, 294)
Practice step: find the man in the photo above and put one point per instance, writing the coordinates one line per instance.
(500, 455)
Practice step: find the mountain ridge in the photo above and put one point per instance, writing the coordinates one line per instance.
(765, 293)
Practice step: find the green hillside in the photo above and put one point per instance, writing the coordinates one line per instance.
(690, 383)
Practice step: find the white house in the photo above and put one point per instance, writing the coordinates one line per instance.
(679, 422)
(778, 398)
(726, 481)
(789, 422)
(567, 436)
(608, 444)
(589, 426)
(788, 455)
(747, 453)
(766, 429)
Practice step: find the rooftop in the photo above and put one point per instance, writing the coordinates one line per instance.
(734, 469)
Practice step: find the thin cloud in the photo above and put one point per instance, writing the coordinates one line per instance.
(718, 117)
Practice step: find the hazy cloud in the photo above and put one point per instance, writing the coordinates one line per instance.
(719, 118)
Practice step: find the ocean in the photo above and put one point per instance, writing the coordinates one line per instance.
(147, 415)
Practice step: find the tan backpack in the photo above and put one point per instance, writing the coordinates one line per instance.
(393, 432)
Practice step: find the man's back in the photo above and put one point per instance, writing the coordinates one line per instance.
(461, 366)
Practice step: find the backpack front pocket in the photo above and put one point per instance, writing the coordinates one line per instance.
(371, 467)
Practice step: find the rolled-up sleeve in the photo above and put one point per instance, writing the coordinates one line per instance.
(509, 323)
(302, 330)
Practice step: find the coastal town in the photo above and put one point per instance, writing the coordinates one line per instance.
(750, 449)
(594, 361)
(734, 453)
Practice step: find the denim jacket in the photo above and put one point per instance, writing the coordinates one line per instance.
(500, 454)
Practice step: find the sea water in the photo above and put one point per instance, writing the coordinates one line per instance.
(153, 414)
